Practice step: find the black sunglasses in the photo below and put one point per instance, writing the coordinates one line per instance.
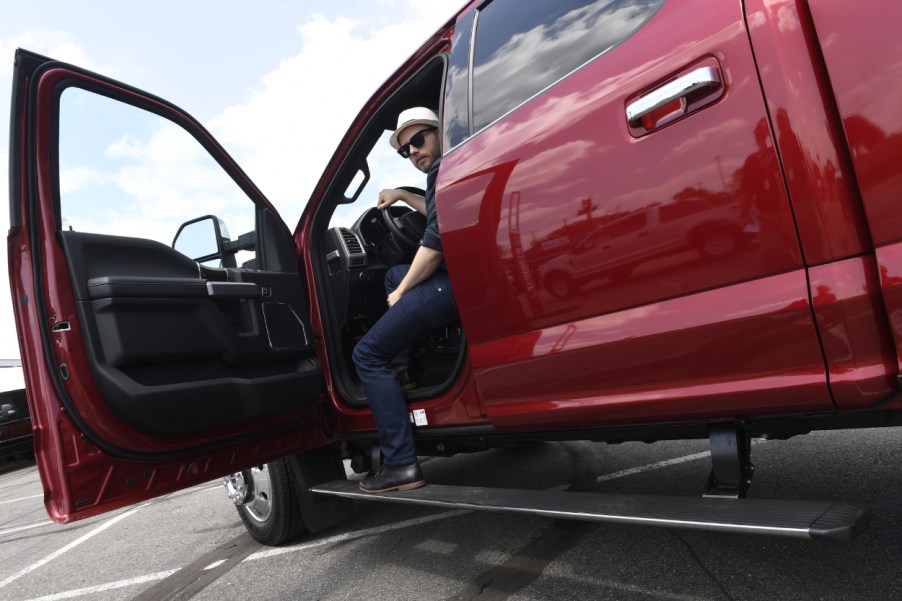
(416, 141)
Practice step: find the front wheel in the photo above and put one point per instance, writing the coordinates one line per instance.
(715, 244)
(560, 285)
(266, 498)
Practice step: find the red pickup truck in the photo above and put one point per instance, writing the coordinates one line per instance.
(161, 352)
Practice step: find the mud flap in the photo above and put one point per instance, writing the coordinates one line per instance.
(316, 467)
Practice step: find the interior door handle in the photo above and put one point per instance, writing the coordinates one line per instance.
(697, 83)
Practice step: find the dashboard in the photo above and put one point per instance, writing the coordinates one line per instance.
(357, 259)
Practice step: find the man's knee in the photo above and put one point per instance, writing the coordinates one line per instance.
(367, 356)
(361, 355)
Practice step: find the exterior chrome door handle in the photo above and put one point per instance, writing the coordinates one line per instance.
(697, 83)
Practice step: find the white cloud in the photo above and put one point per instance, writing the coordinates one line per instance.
(286, 132)
(79, 178)
(149, 188)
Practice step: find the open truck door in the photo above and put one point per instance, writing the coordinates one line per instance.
(148, 370)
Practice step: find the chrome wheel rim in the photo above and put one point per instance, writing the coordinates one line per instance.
(252, 491)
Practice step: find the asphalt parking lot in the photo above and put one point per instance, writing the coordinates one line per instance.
(191, 545)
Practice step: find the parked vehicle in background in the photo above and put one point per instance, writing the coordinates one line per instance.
(770, 307)
(15, 423)
(707, 228)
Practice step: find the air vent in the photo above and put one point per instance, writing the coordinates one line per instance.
(333, 260)
(351, 242)
(356, 254)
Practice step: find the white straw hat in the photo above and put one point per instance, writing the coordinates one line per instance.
(413, 116)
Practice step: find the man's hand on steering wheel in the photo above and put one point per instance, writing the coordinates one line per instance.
(413, 196)
(387, 198)
(398, 221)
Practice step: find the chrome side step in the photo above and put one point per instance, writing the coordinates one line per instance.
(799, 519)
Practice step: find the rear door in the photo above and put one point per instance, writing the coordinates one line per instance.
(147, 369)
(577, 116)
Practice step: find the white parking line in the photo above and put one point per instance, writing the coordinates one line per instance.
(71, 545)
(215, 564)
(109, 586)
(21, 499)
(26, 527)
(258, 555)
(653, 466)
(665, 463)
(50, 523)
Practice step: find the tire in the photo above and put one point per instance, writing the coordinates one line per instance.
(266, 498)
(714, 244)
(560, 285)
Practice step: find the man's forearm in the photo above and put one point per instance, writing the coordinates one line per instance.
(415, 200)
(424, 265)
(389, 196)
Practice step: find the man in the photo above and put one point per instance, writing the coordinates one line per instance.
(419, 301)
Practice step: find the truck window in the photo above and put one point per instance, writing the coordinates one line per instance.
(457, 84)
(129, 172)
(524, 46)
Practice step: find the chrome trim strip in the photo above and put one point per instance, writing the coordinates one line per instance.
(470, 76)
(298, 319)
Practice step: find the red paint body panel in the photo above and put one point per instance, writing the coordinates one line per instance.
(830, 216)
(860, 46)
(640, 355)
(517, 201)
(518, 190)
(854, 333)
(816, 163)
(889, 263)
(861, 52)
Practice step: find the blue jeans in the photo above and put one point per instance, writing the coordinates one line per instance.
(428, 306)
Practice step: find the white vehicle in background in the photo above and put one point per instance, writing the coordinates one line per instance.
(616, 247)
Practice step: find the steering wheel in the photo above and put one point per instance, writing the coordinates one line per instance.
(405, 225)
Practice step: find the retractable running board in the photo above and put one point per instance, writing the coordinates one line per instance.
(799, 519)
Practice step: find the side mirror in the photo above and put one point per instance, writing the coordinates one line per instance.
(205, 239)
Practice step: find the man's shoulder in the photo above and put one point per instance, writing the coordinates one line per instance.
(431, 176)
(434, 168)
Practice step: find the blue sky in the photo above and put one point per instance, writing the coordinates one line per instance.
(276, 82)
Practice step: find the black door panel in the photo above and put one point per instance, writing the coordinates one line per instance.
(93, 256)
(173, 353)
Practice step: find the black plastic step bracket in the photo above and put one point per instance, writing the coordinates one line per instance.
(731, 467)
